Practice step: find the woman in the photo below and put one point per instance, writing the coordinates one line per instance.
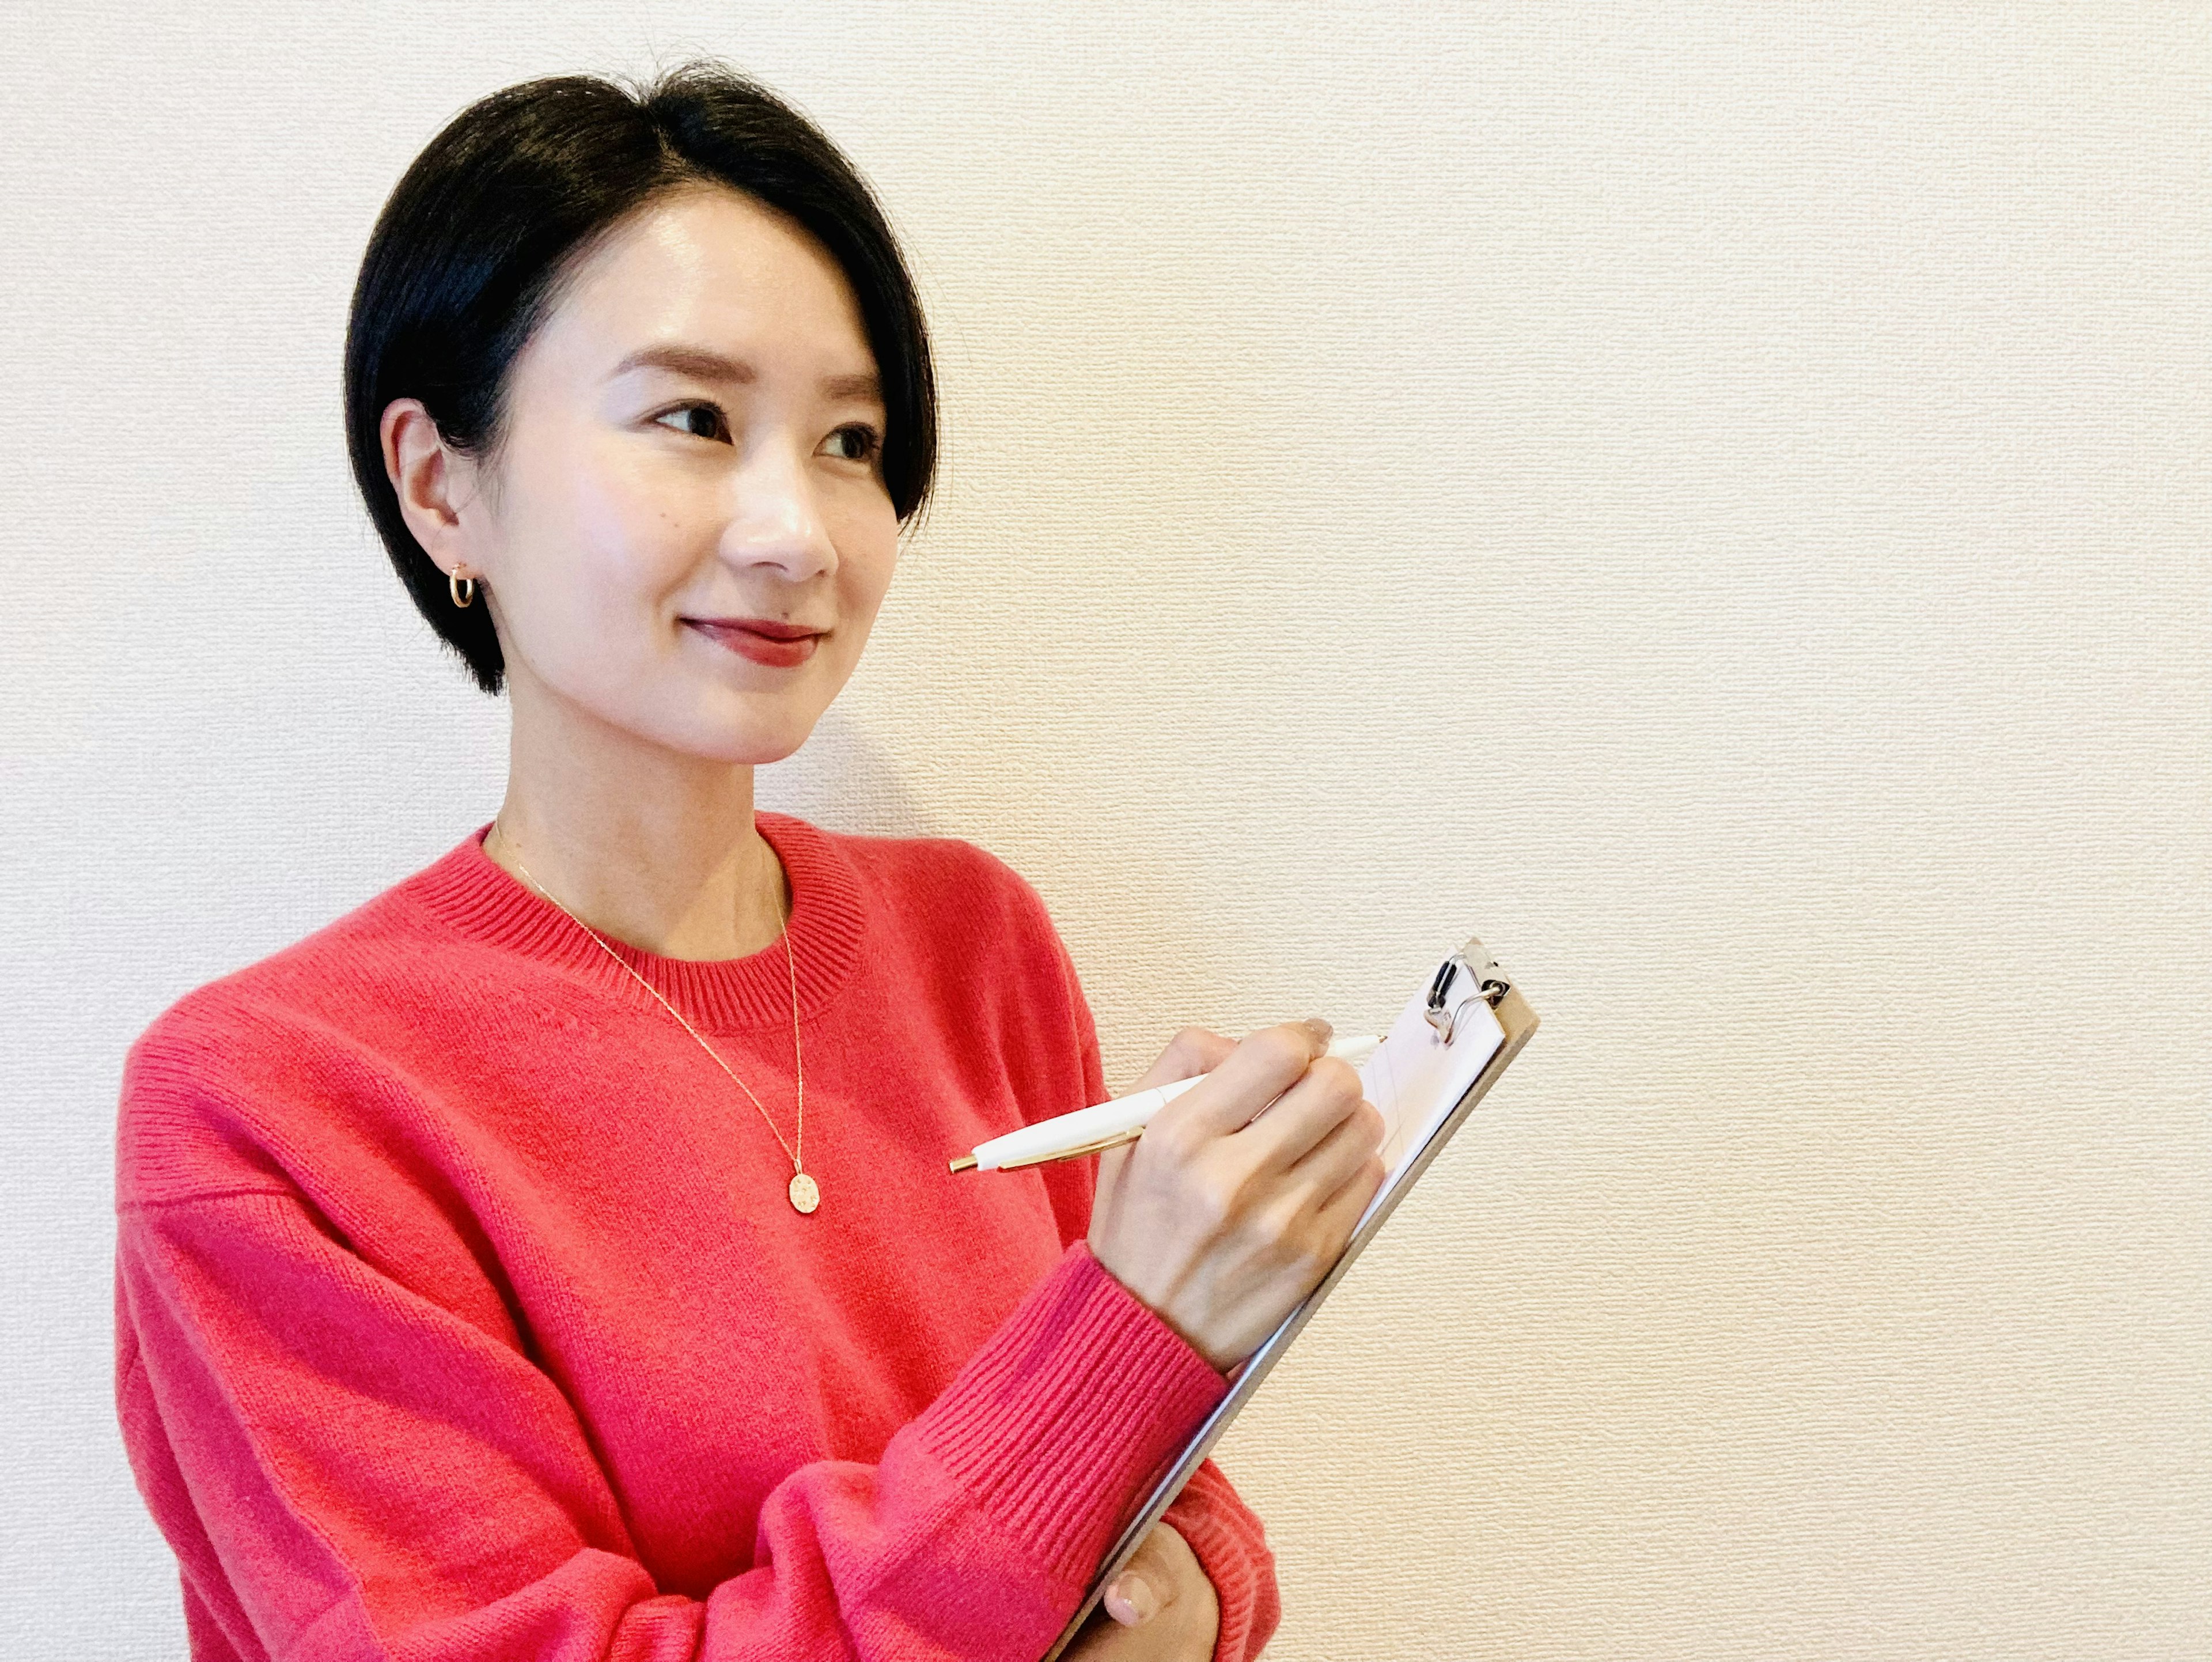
(555, 1257)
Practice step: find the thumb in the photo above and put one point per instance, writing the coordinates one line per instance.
(1131, 1600)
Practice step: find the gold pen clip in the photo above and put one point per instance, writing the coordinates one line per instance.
(967, 1162)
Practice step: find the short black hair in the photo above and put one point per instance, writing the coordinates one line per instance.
(469, 250)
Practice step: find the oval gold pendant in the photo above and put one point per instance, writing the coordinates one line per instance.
(805, 1194)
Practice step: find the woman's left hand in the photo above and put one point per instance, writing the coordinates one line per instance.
(1160, 1608)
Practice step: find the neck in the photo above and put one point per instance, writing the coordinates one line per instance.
(651, 846)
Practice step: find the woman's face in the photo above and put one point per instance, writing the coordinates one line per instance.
(685, 531)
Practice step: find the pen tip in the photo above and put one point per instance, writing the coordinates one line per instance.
(961, 1163)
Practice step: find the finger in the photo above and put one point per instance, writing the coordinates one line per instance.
(1145, 1585)
(1252, 1075)
(1323, 1168)
(1130, 1600)
(1309, 1112)
(1192, 1050)
(1337, 1216)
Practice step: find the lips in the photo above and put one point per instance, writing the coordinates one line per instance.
(780, 646)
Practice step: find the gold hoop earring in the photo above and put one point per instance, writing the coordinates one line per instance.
(463, 589)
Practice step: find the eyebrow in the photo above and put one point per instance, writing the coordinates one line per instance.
(702, 363)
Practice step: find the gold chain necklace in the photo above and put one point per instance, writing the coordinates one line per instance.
(805, 1194)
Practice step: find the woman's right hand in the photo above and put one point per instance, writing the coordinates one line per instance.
(1222, 1217)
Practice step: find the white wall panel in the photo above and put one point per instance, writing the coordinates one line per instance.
(1716, 500)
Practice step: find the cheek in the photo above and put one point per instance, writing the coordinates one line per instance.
(867, 547)
(596, 545)
(631, 535)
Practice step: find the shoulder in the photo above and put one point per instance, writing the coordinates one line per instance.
(947, 879)
(210, 1084)
(951, 914)
(343, 969)
(247, 1015)
(954, 929)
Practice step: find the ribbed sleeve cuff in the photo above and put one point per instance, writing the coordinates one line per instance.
(1231, 1548)
(1078, 1398)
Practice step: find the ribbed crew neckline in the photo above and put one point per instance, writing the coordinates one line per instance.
(484, 901)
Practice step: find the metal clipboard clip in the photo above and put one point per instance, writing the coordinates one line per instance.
(1459, 971)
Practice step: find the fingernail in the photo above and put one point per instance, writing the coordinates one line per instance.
(1320, 1029)
(1141, 1597)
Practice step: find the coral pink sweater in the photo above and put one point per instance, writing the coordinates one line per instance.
(461, 1312)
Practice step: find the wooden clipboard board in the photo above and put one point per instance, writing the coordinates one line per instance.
(1447, 993)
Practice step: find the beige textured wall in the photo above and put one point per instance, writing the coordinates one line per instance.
(1715, 500)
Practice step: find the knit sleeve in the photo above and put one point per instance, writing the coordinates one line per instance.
(1226, 1535)
(349, 1471)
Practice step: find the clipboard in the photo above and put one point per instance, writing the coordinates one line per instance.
(1469, 1000)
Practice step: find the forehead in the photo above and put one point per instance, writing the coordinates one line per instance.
(707, 266)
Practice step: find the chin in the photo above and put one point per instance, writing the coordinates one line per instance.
(759, 743)
(720, 723)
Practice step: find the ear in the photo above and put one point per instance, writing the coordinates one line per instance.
(432, 482)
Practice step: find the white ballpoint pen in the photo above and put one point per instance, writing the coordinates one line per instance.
(1106, 1124)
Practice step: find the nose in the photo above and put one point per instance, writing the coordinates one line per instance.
(774, 520)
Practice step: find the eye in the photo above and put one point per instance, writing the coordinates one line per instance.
(700, 421)
(855, 442)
